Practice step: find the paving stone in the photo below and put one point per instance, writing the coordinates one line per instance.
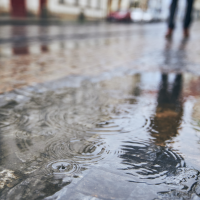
(143, 191)
(105, 185)
(78, 196)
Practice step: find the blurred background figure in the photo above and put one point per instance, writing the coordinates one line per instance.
(187, 18)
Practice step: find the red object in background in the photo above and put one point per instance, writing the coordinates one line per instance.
(18, 8)
(42, 5)
(119, 16)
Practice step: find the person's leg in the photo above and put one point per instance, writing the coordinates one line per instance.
(188, 17)
(171, 23)
(173, 7)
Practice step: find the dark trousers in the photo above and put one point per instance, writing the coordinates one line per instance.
(188, 14)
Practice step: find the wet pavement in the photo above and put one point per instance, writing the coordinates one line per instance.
(133, 46)
(113, 117)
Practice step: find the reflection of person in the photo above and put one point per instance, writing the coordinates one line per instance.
(169, 110)
(151, 161)
(187, 19)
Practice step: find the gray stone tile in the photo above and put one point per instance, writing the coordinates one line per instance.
(143, 191)
(80, 196)
(70, 194)
(105, 185)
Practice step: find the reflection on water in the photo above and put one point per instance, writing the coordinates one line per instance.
(52, 139)
(150, 163)
(169, 111)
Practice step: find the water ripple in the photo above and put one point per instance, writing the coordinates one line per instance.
(63, 167)
(122, 124)
(79, 150)
(149, 163)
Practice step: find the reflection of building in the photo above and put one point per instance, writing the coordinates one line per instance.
(143, 4)
(71, 9)
(67, 9)
(161, 7)
(197, 8)
(21, 8)
(114, 5)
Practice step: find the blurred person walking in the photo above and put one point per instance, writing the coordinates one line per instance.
(187, 19)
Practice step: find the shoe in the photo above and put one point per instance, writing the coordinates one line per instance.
(186, 33)
(169, 33)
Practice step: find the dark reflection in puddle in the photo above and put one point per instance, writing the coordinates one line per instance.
(150, 162)
(169, 110)
(96, 139)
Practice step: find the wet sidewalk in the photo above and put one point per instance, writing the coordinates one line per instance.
(110, 117)
(130, 46)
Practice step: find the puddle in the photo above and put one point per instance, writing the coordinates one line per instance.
(123, 137)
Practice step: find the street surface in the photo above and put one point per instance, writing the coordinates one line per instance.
(99, 111)
(30, 56)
